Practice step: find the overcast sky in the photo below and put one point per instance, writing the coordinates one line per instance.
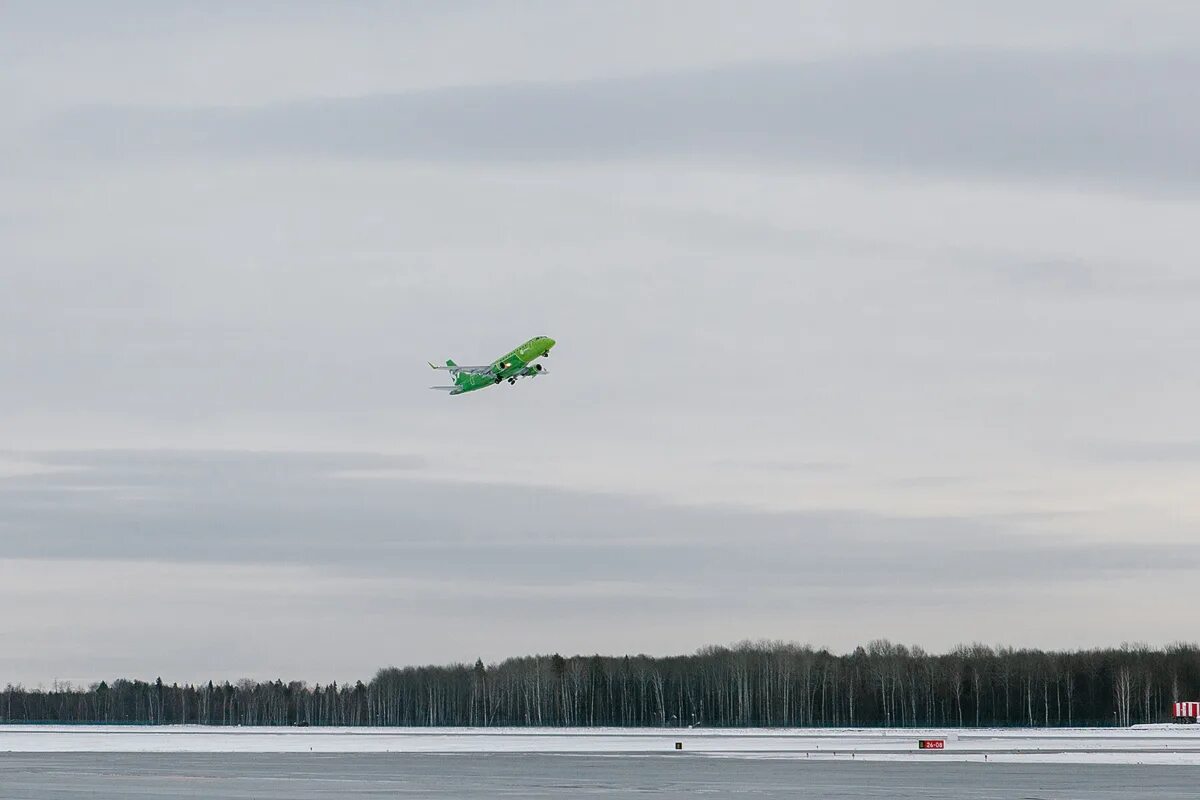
(875, 319)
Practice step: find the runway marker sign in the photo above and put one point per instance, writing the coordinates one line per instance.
(931, 744)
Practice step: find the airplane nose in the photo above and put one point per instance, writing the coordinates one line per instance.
(549, 343)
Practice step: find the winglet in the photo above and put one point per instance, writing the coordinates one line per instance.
(431, 365)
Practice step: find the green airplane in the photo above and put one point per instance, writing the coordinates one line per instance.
(509, 367)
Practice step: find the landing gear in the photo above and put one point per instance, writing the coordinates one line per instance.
(498, 379)
(512, 381)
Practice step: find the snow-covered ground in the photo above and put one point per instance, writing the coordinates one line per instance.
(1150, 745)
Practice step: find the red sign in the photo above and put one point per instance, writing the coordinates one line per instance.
(931, 744)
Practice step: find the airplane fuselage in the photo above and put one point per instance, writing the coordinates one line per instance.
(510, 366)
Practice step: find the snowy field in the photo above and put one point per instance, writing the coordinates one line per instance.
(1145, 745)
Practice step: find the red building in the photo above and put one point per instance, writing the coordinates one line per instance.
(1187, 712)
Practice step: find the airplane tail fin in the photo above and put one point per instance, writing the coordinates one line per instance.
(457, 375)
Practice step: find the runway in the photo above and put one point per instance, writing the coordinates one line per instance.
(1178, 745)
(293, 776)
(42, 762)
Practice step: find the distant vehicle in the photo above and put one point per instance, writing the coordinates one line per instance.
(509, 367)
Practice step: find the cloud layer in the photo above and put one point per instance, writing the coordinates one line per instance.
(1125, 120)
(352, 537)
(873, 320)
(377, 515)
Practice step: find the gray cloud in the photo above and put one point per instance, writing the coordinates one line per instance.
(297, 509)
(780, 465)
(1108, 118)
(1152, 452)
(926, 481)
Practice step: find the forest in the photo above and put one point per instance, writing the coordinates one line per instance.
(752, 684)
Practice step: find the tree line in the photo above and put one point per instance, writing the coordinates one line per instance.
(752, 684)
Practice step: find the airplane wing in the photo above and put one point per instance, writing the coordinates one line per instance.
(457, 368)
